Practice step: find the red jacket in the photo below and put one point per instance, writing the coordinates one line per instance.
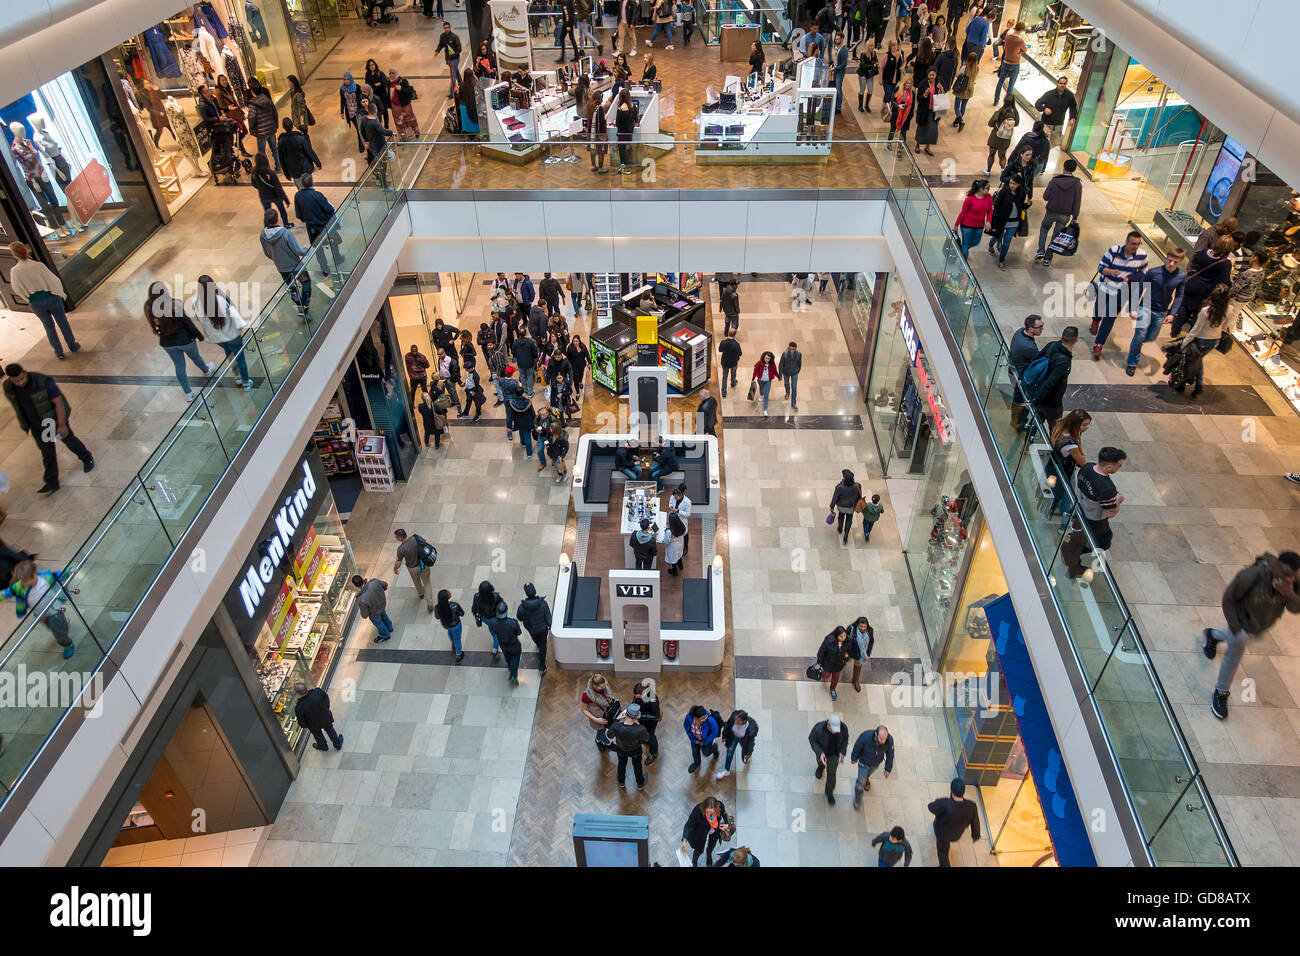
(975, 212)
(772, 373)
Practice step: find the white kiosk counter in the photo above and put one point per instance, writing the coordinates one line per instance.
(775, 119)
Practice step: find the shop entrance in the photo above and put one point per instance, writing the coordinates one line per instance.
(197, 787)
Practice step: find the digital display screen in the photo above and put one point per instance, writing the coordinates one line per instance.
(1222, 178)
(610, 853)
(671, 359)
(602, 365)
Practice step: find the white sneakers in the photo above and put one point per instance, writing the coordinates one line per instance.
(721, 774)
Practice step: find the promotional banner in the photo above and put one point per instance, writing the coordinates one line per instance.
(510, 37)
(89, 190)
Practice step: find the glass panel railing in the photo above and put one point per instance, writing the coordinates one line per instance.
(1179, 821)
(108, 577)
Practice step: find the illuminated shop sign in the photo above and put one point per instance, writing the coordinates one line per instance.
(921, 370)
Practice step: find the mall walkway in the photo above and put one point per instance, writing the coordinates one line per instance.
(1204, 495)
(121, 386)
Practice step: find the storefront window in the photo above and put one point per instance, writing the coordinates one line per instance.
(76, 171)
(299, 637)
(314, 28)
(982, 726)
(1057, 43)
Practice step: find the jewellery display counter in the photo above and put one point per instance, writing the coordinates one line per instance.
(779, 117)
(520, 122)
(308, 620)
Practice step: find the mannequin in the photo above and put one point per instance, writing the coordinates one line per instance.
(63, 174)
(256, 26)
(142, 118)
(206, 44)
(29, 162)
(181, 128)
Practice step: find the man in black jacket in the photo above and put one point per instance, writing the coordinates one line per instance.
(1054, 105)
(729, 301)
(43, 412)
(535, 615)
(376, 136)
(829, 740)
(313, 713)
(1061, 201)
(706, 414)
(549, 289)
(505, 632)
(952, 815)
(444, 336)
(729, 352)
(296, 155)
(870, 750)
(449, 46)
(1049, 401)
(525, 352)
(1023, 350)
(645, 545)
(314, 210)
(629, 737)
(537, 320)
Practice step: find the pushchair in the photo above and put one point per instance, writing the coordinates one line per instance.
(226, 162)
(1182, 365)
(377, 12)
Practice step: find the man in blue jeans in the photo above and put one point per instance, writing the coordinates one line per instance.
(1161, 296)
(789, 367)
(450, 43)
(372, 603)
(1013, 48)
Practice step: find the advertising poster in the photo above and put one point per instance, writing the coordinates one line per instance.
(671, 358)
(510, 37)
(602, 365)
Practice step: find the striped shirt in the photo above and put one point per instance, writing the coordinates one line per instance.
(1127, 266)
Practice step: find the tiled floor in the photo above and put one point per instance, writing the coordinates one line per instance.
(232, 848)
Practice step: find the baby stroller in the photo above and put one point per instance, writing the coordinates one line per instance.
(377, 12)
(1182, 364)
(225, 159)
(604, 740)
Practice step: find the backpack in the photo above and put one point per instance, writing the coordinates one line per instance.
(959, 85)
(718, 717)
(427, 552)
(1033, 377)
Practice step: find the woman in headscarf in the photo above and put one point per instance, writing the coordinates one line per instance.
(378, 82)
(350, 106)
(408, 128)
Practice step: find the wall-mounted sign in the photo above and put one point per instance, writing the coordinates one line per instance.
(924, 380)
(282, 544)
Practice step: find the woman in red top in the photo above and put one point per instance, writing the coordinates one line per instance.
(765, 374)
(903, 102)
(976, 209)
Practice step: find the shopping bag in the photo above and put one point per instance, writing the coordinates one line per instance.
(1065, 242)
(830, 518)
(942, 102)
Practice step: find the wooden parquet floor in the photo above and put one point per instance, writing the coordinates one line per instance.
(686, 72)
(565, 774)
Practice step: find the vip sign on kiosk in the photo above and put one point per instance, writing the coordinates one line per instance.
(638, 648)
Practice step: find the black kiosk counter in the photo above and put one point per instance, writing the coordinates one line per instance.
(683, 350)
(613, 349)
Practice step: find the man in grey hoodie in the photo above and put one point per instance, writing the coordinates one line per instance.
(535, 615)
(373, 604)
(282, 248)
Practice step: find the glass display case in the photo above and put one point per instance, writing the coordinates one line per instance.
(307, 623)
(1270, 336)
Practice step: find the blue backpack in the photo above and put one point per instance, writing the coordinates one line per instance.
(1033, 377)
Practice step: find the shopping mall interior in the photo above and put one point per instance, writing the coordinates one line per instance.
(612, 271)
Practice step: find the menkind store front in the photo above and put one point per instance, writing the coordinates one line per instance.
(225, 745)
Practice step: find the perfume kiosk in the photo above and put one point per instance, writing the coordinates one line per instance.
(777, 117)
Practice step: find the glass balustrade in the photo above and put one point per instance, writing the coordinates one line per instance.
(110, 574)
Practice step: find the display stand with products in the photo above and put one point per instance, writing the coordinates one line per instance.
(332, 443)
(519, 122)
(778, 117)
(372, 462)
(605, 295)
